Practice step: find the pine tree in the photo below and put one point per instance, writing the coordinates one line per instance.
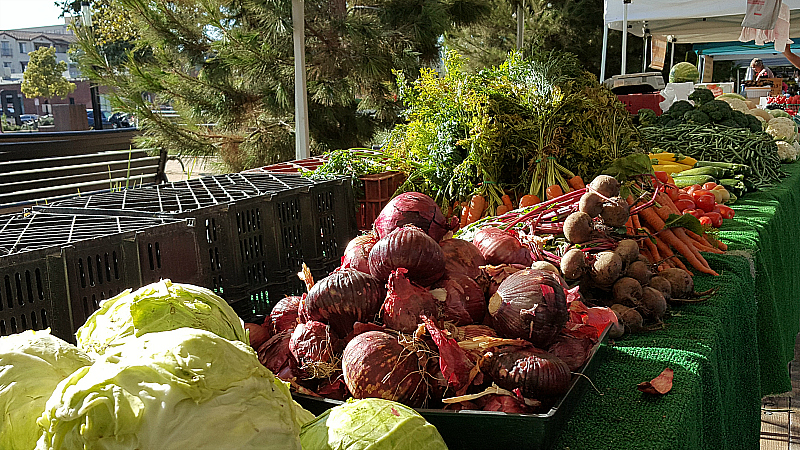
(227, 69)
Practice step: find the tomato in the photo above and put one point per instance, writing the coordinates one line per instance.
(662, 176)
(709, 186)
(726, 211)
(672, 192)
(683, 203)
(685, 196)
(706, 202)
(698, 192)
(705, 221)
(716, 219)
(695, 212)
(693, 188)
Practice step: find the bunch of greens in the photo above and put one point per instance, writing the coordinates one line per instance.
(705, 111)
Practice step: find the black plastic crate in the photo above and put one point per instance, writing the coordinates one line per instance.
(56, 269)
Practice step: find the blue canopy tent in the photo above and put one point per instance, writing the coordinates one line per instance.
(742, 53)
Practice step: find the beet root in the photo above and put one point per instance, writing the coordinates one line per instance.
(653, 305)
(578, 227)
(606, 268)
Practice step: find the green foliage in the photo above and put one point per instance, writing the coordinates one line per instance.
(647, 117)
(226, 67)
(43, 77)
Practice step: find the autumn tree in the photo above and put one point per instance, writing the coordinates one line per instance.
(44, 75)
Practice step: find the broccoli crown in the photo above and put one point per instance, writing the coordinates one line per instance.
(701, 96)
(647, 117)
(696, 117)
(753, 123)
(740, 118)
(680, 107)
(729, 123)
(717, 110)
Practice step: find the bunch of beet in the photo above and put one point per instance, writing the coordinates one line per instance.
(408, 314)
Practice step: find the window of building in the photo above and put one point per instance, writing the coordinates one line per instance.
(38, 45)
(61, 49)
(23, 48)
(24, 65)
(8, 65)
(5, 48)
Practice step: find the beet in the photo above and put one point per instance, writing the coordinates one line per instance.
(313, 346)
(343, 298)
(413, 208)
(376, 364)
(501, 247)
(465, 302)
(411, 249)
(530, 304)
(463, 257)
(284, 315)
(405, 303)
(536, 373)
(356, 255)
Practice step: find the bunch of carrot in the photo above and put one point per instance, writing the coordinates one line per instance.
(664, 244)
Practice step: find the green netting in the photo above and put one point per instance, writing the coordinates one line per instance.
(727, 353)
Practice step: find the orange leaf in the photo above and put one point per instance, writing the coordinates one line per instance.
(660, 384)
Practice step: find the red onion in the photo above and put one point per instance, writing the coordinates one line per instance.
(574, 351)
(465, 302)
(335, 389)
(411, 249)
(467, 332)
(504, 403)
(313, 346)
(462, 256)
(501, 247)
(356, 255)
(405, 303)
(536, 373)
(492, 276)
(284, 314)
(258, 334)
(413, 208)
(343, 298)
(530, 304)
(275, 355)
(377, 364)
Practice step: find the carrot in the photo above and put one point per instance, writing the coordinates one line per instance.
(667, 254)
(528, 200)
(690, 244)
(667, 203)
(695, 259)
(502, 209)
(576, 182)
(507, 202)
(554, 191)
(464, 215)
(703, 240)
(699, 242)
(476, 207)
(651, 219)
(629, 225)
(653, 250)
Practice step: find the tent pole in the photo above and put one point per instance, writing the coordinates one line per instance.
(624, 35)
(605, 52)
(300, 89)
(672, 54)
(644, 55)
(520, 25)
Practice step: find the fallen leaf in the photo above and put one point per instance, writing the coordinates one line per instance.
(659, 385)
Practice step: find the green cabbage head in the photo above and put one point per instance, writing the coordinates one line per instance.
(371, 424)
(160, 306)
(32, 363)
(173, 390)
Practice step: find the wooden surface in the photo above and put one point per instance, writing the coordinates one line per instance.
(780, 415)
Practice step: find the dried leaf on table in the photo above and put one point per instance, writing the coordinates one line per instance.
(659, 385)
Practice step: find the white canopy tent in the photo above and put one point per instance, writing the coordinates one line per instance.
(683, 21)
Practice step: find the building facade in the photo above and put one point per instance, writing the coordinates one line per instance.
(16, 44)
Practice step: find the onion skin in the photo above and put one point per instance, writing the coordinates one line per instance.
(274, 354)
(356, 255)
(501, 247)
(375, 364)
(536, 373)
(574, 351)
(412, 208)
(465, 303)
(463, 257)
(284, 315)
(409, 248)
(343, 298)
(530, 304)
(258, 334)
(406, 303)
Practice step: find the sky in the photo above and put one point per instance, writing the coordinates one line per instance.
(28, 13)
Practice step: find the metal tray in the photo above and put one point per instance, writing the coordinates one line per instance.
(473, 430)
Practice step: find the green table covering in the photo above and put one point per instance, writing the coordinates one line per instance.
(727, 352)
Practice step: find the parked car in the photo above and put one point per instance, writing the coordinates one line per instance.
(28, 118)
(120, 120)
(106, 123)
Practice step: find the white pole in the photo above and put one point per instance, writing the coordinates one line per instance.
(520, 25)
(300, 89)
(605, 52)
(672, 54)
(624, 35)
(644, 55)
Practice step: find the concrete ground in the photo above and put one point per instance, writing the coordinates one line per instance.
(185, 167)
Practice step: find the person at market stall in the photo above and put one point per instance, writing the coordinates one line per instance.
(760, 70)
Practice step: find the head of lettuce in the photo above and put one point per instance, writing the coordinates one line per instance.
(32, 363)
(173, 390)
(160, 306)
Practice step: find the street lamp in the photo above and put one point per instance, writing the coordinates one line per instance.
(94, 92)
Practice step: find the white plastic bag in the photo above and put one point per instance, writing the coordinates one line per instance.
(761, 14)
(674, 92)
